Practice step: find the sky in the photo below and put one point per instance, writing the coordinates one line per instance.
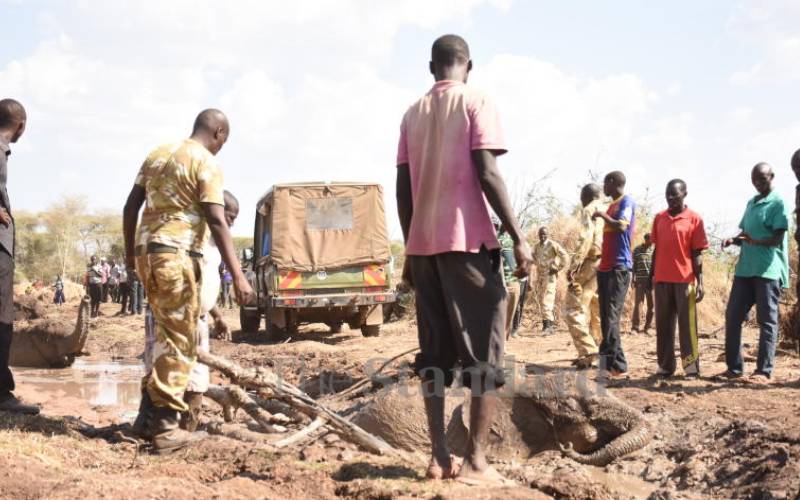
(315, 90)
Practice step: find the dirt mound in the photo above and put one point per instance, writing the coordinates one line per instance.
(73, 292)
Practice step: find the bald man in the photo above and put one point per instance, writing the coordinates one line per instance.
(760, 275)
(12, 125)
(182, 185)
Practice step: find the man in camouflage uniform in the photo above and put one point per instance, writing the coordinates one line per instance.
(550, 258)
(583, 309)
(182, 186)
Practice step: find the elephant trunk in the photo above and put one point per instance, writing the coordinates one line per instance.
(634, 439)
(81, 332)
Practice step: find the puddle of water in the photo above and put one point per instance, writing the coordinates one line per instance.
(99, 383)
(621, 483)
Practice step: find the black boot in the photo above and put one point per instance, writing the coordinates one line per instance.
(545, 325)
(141, 425)
(168, 437)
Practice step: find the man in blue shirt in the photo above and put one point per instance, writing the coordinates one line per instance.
(614, 271)
(761, 273)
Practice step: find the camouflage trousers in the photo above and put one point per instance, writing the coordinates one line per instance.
(172, 284)
(200, 377)
(546, 290)
(583, 310)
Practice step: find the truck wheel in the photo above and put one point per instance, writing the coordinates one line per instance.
(336, 327)
(249, 321)
(370, 330)
(274, 332)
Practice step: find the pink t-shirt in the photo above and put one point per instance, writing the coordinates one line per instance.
(437, 136)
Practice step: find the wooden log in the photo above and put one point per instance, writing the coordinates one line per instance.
(232, 397)
(300, 435)
(220, 396)
(262, 377)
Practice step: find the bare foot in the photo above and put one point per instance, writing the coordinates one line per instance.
(443, 471)
(485, 477)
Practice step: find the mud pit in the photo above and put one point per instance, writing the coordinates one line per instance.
(711, 438)
(98, 383)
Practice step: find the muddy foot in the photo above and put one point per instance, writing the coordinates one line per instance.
(448, 471)
(486, 477)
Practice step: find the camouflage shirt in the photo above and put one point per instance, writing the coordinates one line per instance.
(550, 256)
(177, 178)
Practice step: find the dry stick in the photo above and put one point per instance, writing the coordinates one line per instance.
(361, 383)
(262, 377)
(237, 398)
(301, 434)
(237, 432)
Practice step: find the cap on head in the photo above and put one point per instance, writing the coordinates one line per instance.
(646, 236)
(449, 50)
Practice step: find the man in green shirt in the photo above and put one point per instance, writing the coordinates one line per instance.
(513, 287)
(761, 273)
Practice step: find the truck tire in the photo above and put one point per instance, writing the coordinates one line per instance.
(249, 321)
(370, 330)
(275, 332)
(336, 327)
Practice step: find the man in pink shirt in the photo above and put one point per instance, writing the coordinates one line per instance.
(446, 175)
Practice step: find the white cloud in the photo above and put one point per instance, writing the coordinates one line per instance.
(555, 120)
(772, 28)
(312, 94)
(300, 82)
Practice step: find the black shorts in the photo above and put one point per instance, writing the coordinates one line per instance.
(461, 315)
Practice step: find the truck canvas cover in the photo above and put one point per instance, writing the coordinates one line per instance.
(325, 226)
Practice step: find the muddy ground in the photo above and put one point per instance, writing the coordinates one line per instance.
(713, 438)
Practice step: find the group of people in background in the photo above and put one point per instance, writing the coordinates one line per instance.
(106, 281)
(667, 275)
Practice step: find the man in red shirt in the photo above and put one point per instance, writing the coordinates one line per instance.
(679, 237)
